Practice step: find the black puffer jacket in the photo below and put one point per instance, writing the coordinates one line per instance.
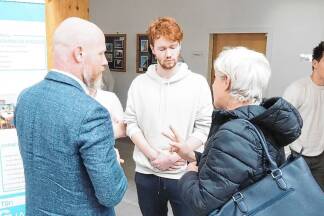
(233, 157)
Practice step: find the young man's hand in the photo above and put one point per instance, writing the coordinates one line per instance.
(165, 160)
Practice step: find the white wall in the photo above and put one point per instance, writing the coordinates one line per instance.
(293, 27)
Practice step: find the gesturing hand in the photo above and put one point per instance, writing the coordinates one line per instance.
(177, 145)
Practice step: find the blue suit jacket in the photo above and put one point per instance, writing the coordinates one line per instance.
(67, 146)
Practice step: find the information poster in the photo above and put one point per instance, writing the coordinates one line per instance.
(22, 63)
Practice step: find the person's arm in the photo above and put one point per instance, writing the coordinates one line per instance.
(294, 94)
(118, 118)
(220, 175)
(201, 127)
(119, 129)
(132, 128)
(202, 118)
(159, 159)
(140, 141)
(96, 147)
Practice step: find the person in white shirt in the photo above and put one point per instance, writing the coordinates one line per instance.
(108, 81)
(307, 95)
(111, 102)
(167, 95)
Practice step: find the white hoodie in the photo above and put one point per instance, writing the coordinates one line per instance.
(154, 103)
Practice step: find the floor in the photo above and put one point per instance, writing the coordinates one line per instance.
(129, 206)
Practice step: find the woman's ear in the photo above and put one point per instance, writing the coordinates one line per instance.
(227, 83)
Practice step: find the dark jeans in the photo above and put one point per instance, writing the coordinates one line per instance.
(316, 165)
(154, 193)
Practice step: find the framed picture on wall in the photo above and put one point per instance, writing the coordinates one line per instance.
(116, 51)
(109, 57)
(109, 47)
(118, 63)
(144, 62)
(144, 45)
(144, 55)
(119, 44)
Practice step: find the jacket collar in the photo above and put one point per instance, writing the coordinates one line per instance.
(275, 116)
(244, 112)
(60, 77)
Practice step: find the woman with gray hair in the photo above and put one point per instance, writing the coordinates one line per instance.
(233, 157)
(248, 73)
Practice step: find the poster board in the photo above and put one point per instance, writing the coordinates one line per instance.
(23, 62)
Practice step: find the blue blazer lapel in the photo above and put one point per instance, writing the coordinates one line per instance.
(58, 77)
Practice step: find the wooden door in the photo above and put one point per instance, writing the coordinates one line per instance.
(56, 12)
(254, 41)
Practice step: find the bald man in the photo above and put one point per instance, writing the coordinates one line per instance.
(65, 137)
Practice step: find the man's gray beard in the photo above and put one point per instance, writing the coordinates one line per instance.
(96, 84)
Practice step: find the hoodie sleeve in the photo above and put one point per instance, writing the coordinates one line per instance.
(130, 113)
(204, 113)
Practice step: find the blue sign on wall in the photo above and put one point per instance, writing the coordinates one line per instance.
(22, 24)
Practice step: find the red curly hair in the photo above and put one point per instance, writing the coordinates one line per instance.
(166, 27)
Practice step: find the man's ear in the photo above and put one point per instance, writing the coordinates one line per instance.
(78, 54)
(315, 64)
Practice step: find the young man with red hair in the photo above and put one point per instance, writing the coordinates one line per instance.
(167, 95)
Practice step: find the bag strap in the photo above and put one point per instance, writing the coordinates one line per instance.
(275, 171)
(273, 164)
